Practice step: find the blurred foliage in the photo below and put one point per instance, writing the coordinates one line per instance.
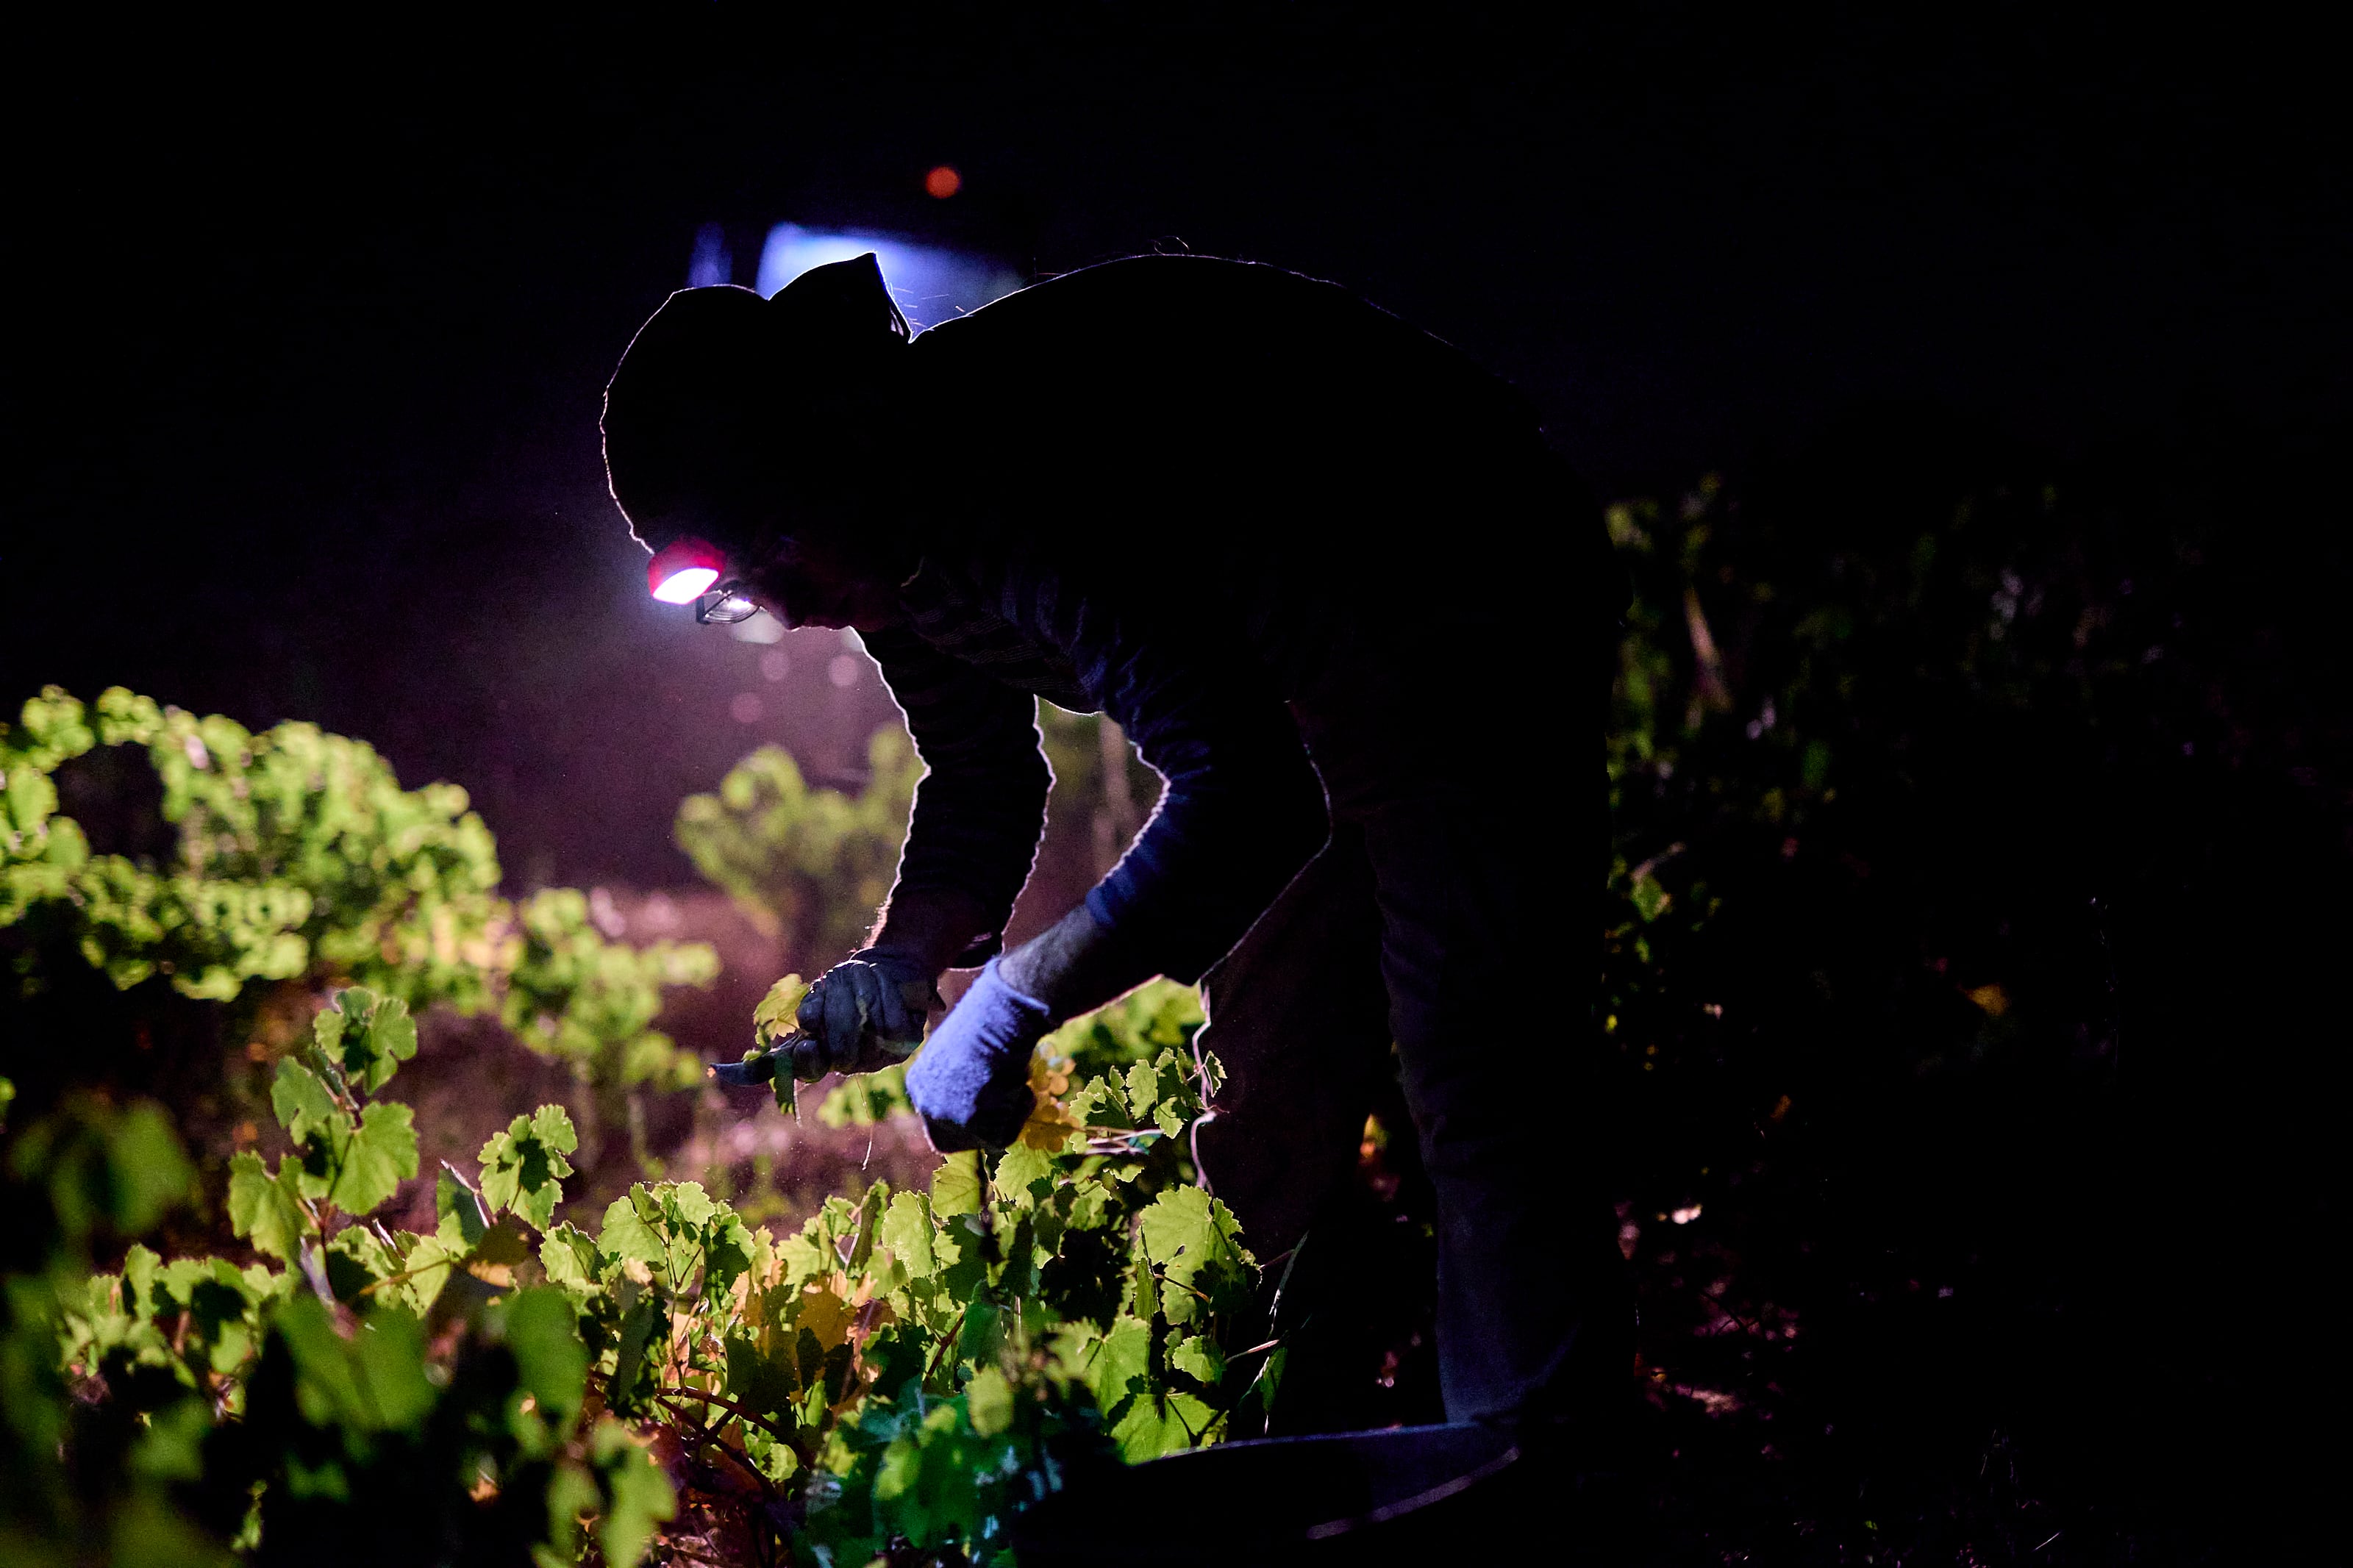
(1942, 809)
(363, 1394)
(583, 999)
(76, 1486)
(292, 862)
(1915, 723)
(575, 994)
(1098, 778)
(297, 851)
(808, 865)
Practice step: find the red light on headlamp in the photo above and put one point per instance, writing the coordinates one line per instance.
(684, 571)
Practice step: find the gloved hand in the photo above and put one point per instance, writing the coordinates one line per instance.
(865, 1012)
(972, 1082)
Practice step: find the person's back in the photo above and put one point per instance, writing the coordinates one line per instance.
(1266, 454)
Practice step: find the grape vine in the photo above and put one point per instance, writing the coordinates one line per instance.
(521, 1383)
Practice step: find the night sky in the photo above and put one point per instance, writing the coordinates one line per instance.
(309, 331)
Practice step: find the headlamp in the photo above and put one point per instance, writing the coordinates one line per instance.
(684, 571)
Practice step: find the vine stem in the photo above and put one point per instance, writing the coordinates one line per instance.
(939, 1357)
(1199, 1295)
(704, 1438)
(761, 1422)
(405, 1275)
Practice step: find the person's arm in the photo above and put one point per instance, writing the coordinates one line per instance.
(934, 926)
(978, 811)
(1243, 812)
(1076, 965)
(971, 838)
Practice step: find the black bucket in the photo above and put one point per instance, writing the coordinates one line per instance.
(1357, 1498)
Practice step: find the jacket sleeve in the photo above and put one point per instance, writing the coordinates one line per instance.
(981, 806)
(1243, 812)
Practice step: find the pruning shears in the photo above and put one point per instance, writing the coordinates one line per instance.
(771, 1064)
(757, 1066)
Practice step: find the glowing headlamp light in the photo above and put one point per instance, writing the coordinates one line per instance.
(684, 571)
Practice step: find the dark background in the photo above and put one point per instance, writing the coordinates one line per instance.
(308, 328)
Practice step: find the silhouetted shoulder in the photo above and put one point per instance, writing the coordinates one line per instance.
(1132, 291)
(1182, 329)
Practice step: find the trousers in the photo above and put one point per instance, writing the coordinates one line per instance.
(1451, 915)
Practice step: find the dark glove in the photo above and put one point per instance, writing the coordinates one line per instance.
(972, 1082)
(865, 1012)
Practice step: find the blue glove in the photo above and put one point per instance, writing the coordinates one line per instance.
(971, 1083)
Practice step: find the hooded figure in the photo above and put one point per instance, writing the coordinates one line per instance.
(1319, 567)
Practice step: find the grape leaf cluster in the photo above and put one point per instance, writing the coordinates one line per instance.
(912, 1367)
(907, 1371)
(902, 1373)
(403, 1385)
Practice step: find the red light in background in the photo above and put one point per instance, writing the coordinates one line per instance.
(943, 182)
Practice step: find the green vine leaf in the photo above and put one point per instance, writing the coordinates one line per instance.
(459, 1210)
(571, 1258)
(367, 1036)
(989, 1399)
(773, 1019)
(524, 1167)
(265, 1209)
(1025, 1175)
(644, 1323)
(626, 1233)
(1199, 1358)
(427, 1261)
(380, 1155)
(727, 1249)
(636, 1494)
(553, 1364)
(1193, 1238)
(303, 1105)
(907, 1236)
(956, 1185)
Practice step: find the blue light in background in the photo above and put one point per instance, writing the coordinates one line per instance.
(932, 284)
(713, 263)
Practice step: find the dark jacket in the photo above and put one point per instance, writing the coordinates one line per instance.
(1191, 494)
